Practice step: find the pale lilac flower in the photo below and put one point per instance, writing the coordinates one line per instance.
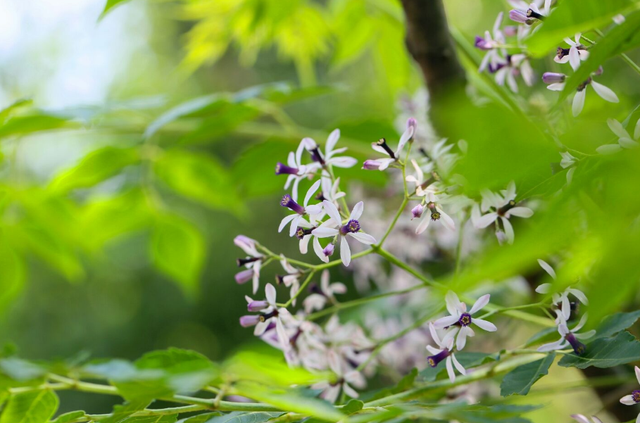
(252, 264)
(578, 100)
(568, 337)
(297, 219)
(460, 320)
(328, 157)
(323, 293)
(291, 280)
(501, 208)
(574, 54)
(583, 419)
(624, 138)
(619, 19)
(550, 78)
(561, 300)
(331, 390)
(634, 398)
(444, 351)
(511, 67)
(382, 147)
(567, 162)
(295, 170)
(529, 13)
(491, 44)
(270, 313)
(351, 229)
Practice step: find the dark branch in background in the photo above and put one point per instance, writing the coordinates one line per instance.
(432, 47)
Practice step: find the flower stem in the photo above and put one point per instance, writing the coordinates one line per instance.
(302, 288)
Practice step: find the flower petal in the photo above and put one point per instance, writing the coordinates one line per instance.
(508, 230)
(345, 251)
(483, 324)
(317, 248)
(450, 372)
(637, 373)
(617, 128)
(334, 136)
(424, 224)
(523, 212)
(363, 237)
(580, 418)
(544, 288)
(321, 232)
(605, 92)
(311, 192)
(454, 306)
(480, 303)
(609, 149)
(332, 211)
(579, 295)
(627, 400)
(574, 58)
(578, 102)
(286, 221)
(547, 268)
(459, 366)
(558, 345)
(357, 211)
(486, 220)
(446, 321)
(270, 294)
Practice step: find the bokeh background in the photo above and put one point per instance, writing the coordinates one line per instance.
(79, 264)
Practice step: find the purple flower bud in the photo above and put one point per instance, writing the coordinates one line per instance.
(248, 321)
(288, 202)
(282, 169)
(598, 71)
(510, 31)
(481, 43)
(244, 276)
(417, 211)
(328, 250)
(518, 16)
(636, 396)
(553, 77)
(412, 123)
(257, 305)
(371, 165)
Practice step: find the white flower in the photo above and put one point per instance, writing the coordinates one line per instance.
(431, 202)
(568, 337)
(297, 220)
(460, 320)
(573, 55)
(331, 390)
(292, 279)
(502, 207)
(252, 264)
(443, 352)
(323, 294)
(351, 229)
(624, 139)
(511, 67)
(583, 419)
(491, 45)
(382, 147)
(328, 158)
(269, 313)
(578, 100)
(295, 170)
(562, 298)
(567, 162)
(634, 398)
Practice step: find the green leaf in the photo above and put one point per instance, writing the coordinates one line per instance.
(199, 177)
(606, 352)
(354, 405)
(7, 111)
(616, 41)
(520, 380)
(21, 370)
(571, 17)
(404, 384)
(109, 6)
(122, 412)
(239, 417)
(616, 323)
(467, 359)
(94, 168)
(13, 273)
(268, 369)
(545, 335)
(200, 418)
(152, 419)
(156, 374)
(178, 250)
(290, 400)
(24, 125)
(30, 407)
(69, 417)
(104, 219)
